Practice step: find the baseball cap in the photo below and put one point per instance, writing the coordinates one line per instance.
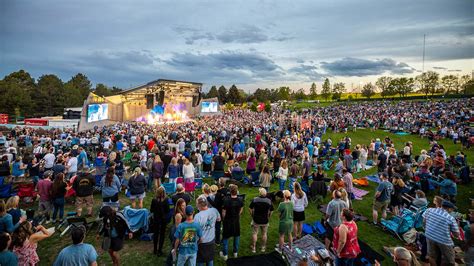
(189, 210)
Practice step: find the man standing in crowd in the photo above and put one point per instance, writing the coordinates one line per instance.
(78, 253)
(333, 216)
(49, 159)
(84, 187)
(206, 218)
(187, 235)
(382, 197)
(261, 209)
(439, 225)
(231, 211)
(44, 191)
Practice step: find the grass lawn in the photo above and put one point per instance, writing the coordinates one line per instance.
(137, 252)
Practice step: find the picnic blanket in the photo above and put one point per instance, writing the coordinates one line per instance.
(368, 253)
(374, 178)
(302, 248)
(359, 193)
(357, 217)
(273, 258)
(402, 133)
(136, 218)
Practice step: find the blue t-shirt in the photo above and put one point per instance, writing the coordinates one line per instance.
(8, 258)
(16, 171)
(76, 255)
(188, 235)
(310, 150)
(82, 157)
(119, 145)
(385, 188)
(207, 158)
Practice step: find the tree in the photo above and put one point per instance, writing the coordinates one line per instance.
(233, 95)
(82, 84)
(337, 90)
(368, 90)
(254, 105)
(212, 93)
(450, 84)
(15, 96)
(101, 90)
(402, 86)
(222, 94)
(428, 82)
(268, 107)
(326, 91)
(383, 83)
(299, 95)
(313, 93)
(51, 96)
(468, 88)
(284, 93)
(463, 80)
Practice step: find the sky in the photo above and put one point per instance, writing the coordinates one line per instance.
(253, 44)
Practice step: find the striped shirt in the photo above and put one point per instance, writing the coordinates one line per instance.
(439, 225)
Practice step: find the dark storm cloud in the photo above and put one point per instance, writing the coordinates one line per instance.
(440, 68)
(362, 67)
(309, 72)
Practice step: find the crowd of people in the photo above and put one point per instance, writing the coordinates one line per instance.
(265, 147)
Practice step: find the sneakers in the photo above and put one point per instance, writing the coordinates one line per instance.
(278, 250)
(222, 255)
(236, 255)
(253, 250)
(262, 249)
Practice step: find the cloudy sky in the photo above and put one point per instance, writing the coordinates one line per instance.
(250, 43)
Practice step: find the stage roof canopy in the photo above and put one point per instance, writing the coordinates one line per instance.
(174, 88)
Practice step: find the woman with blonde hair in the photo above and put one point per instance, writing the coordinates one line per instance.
(188, 171)
(403, 257)
(6, 221)
(282, 174)
(13, 209)
(345, 196)
(300, 202)
(136, 186)
(206, 190)
(173, 170)
(285, 228)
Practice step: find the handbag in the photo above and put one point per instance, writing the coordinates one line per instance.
(107, 242)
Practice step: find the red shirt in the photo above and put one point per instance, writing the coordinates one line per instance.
(44, 187)
(151, 144)
(351, 249)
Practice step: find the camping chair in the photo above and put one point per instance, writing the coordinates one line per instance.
(190, 187)
(199, 183)
(73, 221)
(418, 216)
(400, 224)
(255, 178)
(238, 176)
(6, 191)
(170, 188)
(26, 192)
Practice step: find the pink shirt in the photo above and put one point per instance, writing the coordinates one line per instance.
(44, 187)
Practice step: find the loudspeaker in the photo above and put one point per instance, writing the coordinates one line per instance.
(160, 97)
(149, 101)
(196, 100)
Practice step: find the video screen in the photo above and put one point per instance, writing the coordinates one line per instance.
(209, 107)
(97, 112)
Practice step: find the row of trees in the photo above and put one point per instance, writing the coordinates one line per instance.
(49, 95)
(428, 83)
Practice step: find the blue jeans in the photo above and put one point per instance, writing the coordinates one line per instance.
(225, 246)
(344, 262)
(210, 263)
(189, 259)
(290, 186)
(282, 184)
(58, 204)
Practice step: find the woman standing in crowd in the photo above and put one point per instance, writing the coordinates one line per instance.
(337, 183)
(300, 202)
(345, 242)
(160, 210)
(231, 211)
(265, 178)
(188, 171)
(110, 185)
(251, 164)
(282, 174)
(58, 191)
(157, 171)
(115, 228)
(398, 190)
(136, 186)
(25, 243)
(173, 170)
(285, 209)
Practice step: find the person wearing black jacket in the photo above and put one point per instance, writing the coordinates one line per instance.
(221, 194)
(161, 211)
(84, 187)
(114, 229)
(136, 186)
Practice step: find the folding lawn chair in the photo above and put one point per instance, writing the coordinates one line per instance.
(190, 187)
(170, 188)
(400, 224)
(199, 183)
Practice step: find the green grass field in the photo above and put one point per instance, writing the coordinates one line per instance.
(137, 252)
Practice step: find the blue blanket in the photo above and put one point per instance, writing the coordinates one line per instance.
(401, 133)
(137, 218)
(374, 178)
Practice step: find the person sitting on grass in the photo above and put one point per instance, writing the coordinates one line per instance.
(7, 258)
(79, 253)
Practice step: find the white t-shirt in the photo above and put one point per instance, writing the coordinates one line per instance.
(107, 144)
(143, 155)
(188, 171)
(72, 163)
(49, 160)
